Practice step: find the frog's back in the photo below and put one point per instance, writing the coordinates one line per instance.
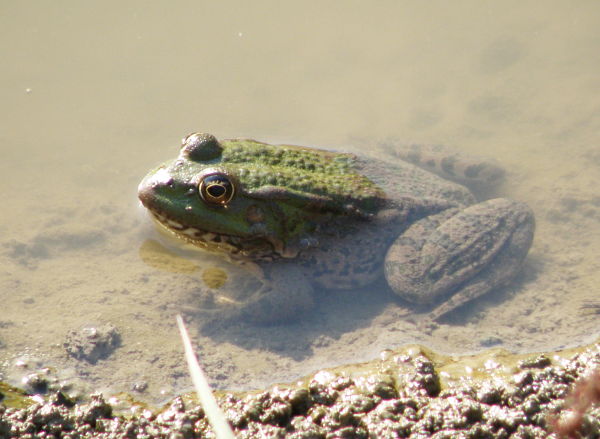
(330, 179)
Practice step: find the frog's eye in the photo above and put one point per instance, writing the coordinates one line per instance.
(201, 147)
(217, 189)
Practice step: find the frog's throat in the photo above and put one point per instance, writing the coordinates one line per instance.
(237, 247)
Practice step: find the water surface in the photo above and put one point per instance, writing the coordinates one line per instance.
(94, 95)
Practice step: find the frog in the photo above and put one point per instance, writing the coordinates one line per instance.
(305, 220)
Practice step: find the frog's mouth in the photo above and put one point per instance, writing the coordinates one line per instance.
(236, 246)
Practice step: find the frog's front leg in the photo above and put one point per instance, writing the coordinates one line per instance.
(455, 256)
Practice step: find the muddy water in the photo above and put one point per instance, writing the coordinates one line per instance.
(93, 97)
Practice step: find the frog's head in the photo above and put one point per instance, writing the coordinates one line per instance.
(248, 197)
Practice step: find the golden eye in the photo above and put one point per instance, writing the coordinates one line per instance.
(216, 189)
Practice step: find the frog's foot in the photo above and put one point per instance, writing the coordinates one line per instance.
(455, 257)
(284, 297)
(450, 164)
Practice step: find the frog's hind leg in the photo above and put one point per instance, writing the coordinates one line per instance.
(454, 257)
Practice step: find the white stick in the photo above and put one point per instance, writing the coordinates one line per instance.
(207, 399)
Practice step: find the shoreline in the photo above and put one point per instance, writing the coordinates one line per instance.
(410, 392)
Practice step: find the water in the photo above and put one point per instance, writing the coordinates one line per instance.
(93, 97)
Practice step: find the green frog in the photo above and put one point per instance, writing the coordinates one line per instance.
(302, 220)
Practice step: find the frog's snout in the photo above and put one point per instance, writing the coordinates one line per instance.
(150, 186)
(145, 193)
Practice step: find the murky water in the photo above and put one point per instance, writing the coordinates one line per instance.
(93, 97)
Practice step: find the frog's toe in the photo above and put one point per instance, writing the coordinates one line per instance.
(451, 164)
(277, 307)
(453, 260)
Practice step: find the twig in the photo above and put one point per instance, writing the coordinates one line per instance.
(207, 399)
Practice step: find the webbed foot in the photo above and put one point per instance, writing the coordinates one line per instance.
(283, 298)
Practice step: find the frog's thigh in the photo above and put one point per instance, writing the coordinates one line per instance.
(283, 299)
(464, 255)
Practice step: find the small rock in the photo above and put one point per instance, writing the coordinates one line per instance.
(139, 386)
(36, 382)
(538, 362)
(490, 341)
(92, 343)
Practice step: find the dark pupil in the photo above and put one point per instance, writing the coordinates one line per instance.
(215, 191)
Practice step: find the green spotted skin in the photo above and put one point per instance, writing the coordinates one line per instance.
(304, 172)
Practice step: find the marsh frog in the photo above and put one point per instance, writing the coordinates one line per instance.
(303, 220)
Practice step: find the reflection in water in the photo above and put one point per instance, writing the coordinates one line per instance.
(214, 277)
(156, 255)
